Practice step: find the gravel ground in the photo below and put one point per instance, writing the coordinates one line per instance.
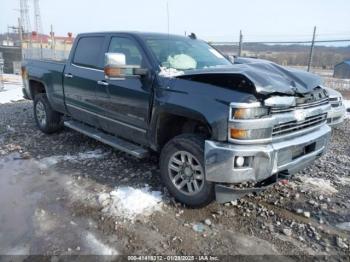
(309, 215)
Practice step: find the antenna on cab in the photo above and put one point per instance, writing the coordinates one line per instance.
(168, 18)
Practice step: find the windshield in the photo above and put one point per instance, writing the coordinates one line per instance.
(180, 53)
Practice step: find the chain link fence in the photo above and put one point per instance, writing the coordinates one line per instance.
(325, 55)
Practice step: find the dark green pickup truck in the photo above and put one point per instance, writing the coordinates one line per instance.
(216, 124)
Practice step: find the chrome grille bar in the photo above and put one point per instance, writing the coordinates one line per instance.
(293, 126)
(300, 106)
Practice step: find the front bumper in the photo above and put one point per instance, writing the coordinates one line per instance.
(336, 116)
(288, 156)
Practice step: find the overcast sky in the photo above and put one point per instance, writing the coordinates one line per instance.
(215, 20)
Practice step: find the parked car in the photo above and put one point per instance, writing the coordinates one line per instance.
(337, 113)
(221, 129)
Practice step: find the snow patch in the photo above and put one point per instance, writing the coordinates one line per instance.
(318, 185)
(44, 222)
(11, 93)
(129, 202)
(98, 247)
(343, 180)
(47, 162)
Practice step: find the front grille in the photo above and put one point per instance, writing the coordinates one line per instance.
(320, 102)
(293, 126)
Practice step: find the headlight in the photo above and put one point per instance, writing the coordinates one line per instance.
(250, 113)
(242, 125)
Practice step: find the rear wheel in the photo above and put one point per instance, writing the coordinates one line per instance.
(183, 172)
(47, 119)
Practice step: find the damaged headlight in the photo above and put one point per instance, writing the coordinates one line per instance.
(244, 121)
(248, 110)
(250, 113)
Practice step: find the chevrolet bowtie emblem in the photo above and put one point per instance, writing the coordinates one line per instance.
(300, 115)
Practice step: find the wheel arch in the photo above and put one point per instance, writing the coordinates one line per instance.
(36, 87)
(171, 124)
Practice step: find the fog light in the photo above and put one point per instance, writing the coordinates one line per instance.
(239, 161)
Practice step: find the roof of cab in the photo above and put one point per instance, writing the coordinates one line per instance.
(135, 33)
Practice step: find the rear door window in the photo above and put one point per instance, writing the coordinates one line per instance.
(88, 52)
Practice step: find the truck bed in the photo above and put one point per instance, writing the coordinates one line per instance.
(50, 74)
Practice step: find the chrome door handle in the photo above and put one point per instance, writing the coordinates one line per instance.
(102, 83)
(69, 75)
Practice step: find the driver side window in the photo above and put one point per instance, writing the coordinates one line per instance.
(128, 47)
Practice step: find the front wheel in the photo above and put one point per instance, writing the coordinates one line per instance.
(47, 120)
(183, 173)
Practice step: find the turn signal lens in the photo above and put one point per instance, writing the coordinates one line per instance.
(113, 72)
(238, 133)
(248, 134)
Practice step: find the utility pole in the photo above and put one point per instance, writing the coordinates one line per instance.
(20, 33)
(311, 50)
(8, 35)
(240, 43)
(52, 34)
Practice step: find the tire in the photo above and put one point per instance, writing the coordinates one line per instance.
(182, 160)
(47, 120)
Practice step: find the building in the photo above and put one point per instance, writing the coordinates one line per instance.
(11, 54)
(39, 46)
(342, 70)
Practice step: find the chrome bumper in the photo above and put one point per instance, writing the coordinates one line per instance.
(336, 115)
(289, 156)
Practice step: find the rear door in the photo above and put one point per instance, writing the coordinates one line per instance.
(126, 112)
(80, 78)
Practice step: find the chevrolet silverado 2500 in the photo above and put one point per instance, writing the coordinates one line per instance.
(217, 125)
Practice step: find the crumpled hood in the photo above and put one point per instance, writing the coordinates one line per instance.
(267, 76)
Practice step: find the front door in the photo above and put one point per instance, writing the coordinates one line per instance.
(127, 109)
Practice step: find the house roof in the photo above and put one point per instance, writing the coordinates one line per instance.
(347, 62)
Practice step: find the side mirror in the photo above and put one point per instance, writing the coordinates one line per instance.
(116, 67)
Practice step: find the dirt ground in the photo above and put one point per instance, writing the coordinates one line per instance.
(62, 194)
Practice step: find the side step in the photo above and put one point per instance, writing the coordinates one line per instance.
(105, 138)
